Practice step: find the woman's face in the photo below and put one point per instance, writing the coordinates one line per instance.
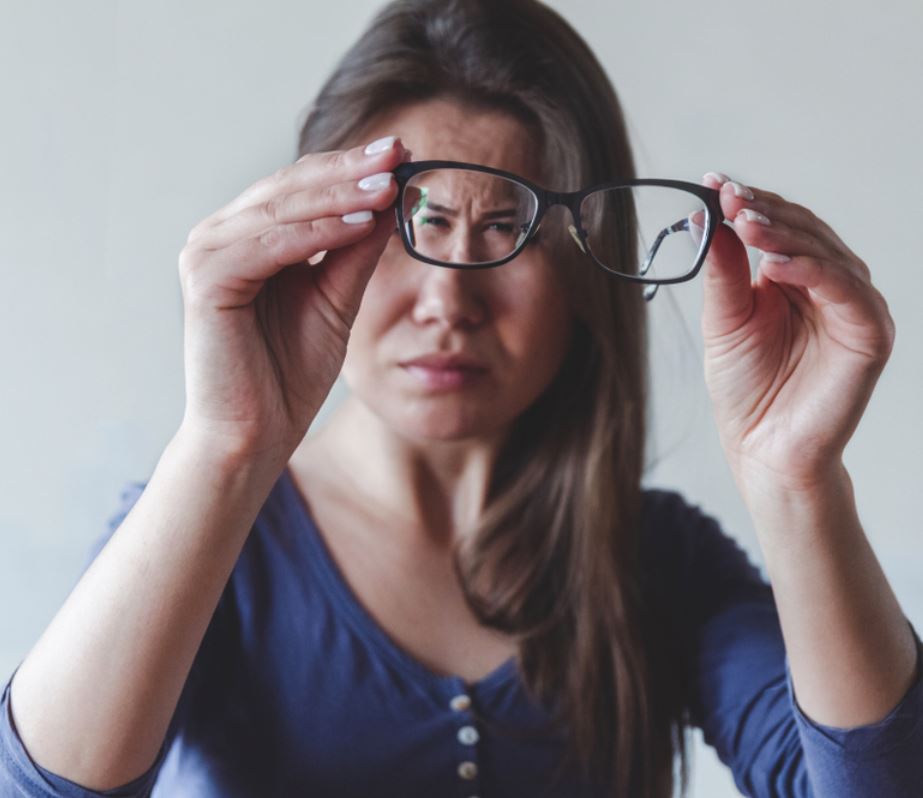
(513, 320)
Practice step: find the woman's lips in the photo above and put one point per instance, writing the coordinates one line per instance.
(445, 371)
(445, 378)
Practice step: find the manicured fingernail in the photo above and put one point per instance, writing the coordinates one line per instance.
(359, 217)
(717, 177)
(380, 145)
(776, 257)
(741, 191)
(375, 182)
(695, 229)
(752, 216)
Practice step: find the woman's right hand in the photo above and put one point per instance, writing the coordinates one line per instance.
(265, 331)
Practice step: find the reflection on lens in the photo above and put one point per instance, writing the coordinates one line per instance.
(655, 232)
(464, 217)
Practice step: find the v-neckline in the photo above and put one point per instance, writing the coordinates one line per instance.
(321, 558)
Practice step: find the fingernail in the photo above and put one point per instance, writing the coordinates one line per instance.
(776, 257)
(752, 216)
(696, 230)
(719, 178)
(359, 217)
(741, 191)
(380, 145)
(375, 182)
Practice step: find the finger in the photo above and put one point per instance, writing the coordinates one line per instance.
(735, 196)
(728, 293)
(756, 229)
(863, 322)
(343, 275)
(317, 169)
(374, 192)
(232, 276)
(829, 283)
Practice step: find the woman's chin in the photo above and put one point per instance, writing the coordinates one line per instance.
(445, 426)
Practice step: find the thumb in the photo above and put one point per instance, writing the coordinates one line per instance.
(344, 273)
(728, 289)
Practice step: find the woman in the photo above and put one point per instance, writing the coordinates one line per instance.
(457, 585)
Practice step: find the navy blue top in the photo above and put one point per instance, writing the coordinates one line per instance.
(296, 690)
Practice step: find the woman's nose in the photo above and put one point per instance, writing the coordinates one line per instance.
(449, 296)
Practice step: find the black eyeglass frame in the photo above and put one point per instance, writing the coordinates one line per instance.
(545, 199)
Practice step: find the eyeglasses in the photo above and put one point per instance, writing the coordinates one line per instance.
(468, 216)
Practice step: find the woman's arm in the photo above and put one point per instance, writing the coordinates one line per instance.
(94, 697)
(791, 360)
(265, 332)
(851, 653)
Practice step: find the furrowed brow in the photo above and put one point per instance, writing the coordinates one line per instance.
(501, 213)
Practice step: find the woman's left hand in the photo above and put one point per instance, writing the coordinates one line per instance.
(792, 356)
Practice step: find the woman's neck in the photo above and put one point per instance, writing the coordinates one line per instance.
(425, 487)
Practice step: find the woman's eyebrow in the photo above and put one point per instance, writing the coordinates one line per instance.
(500, 213)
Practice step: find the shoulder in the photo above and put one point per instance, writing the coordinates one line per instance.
(670, 526)
(685, 553)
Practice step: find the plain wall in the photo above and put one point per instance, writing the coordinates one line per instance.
(123, 124)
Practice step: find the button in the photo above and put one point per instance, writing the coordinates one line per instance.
(460, 703)
(468, 771)
(468, 735)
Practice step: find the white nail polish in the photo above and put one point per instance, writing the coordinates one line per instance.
(776, 257)
(380, 145)
(359, 217)
(696, 231)
(741, 191)
(718, 177)
(753, 216)
(375, 182)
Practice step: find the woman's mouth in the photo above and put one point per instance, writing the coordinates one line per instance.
(445, 370)
(445, 378)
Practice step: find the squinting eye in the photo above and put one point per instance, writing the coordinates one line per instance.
(501, 227)
(434, 220)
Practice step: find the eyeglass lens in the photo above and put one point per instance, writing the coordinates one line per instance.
(464, 217)
(667, 225)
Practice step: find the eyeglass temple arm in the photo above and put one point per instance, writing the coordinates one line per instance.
(650, 291)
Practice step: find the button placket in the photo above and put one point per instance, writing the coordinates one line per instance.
(467, 736)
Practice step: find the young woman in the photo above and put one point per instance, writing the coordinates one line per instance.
(457, 586)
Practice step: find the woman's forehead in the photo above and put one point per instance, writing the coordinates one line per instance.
(446, 129)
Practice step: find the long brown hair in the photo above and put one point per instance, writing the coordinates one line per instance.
(555, 560)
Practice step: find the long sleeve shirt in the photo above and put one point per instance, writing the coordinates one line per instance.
(297, 691)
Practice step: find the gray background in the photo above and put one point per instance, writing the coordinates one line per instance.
(124, 124)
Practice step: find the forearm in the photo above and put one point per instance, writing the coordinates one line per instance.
(851, 653)
(94, 697)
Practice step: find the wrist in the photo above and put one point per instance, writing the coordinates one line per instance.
(227, 455)
(780, 501)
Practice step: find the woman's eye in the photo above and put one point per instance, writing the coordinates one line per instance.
(435, 221)
(501, 227)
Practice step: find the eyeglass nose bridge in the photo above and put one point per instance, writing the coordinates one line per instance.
(570, 200)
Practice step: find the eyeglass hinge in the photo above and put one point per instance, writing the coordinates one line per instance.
(576, 236)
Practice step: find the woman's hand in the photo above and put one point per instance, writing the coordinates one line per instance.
(791, 357)
(266, 331)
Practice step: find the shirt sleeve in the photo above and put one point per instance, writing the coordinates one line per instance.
(744, 700)
(20, 775)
